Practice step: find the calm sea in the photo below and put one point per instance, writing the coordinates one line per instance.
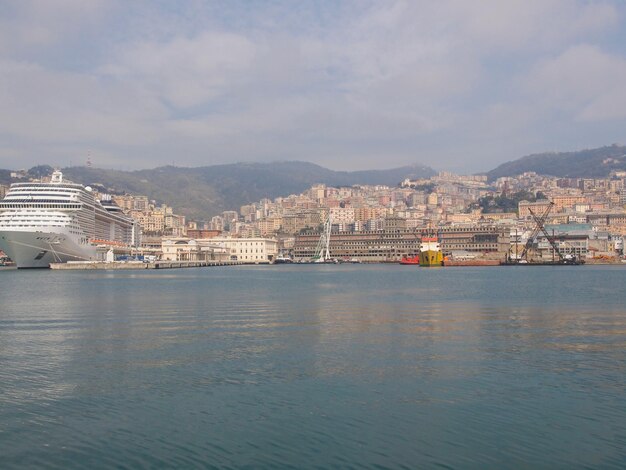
(348, 366)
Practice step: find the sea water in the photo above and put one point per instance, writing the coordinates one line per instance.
(306, 366)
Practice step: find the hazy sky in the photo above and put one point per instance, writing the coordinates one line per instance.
(454, 84)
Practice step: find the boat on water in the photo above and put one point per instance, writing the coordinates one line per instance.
(410, 260)
(283, 259)
(324, 261)
(471, 262)
(59, 221)
(430, 252)
(4, 262)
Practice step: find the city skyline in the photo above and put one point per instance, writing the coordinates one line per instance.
(362, 85)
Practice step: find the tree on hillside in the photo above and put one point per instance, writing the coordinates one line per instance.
(40, 171)
(427, 187)
(502, 203)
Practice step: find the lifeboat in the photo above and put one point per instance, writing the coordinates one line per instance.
(410, 260)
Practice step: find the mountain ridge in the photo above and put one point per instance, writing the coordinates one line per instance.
(588, 163)
(201, 192)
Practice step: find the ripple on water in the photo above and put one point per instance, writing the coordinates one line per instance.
(347, 366)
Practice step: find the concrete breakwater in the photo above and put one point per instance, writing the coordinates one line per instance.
(117, 265)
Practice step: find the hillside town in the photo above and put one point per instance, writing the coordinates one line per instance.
(472, 218)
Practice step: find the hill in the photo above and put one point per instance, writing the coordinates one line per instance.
(206, 191)
(591, 163)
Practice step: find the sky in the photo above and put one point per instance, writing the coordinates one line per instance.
(456, 85)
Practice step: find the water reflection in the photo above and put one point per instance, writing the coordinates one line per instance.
(337, 366)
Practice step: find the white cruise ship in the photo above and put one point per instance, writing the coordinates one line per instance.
(56, 222)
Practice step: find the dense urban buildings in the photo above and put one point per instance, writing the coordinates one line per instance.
(585, 217)
(470, 216)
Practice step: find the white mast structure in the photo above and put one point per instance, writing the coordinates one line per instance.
(322, 251)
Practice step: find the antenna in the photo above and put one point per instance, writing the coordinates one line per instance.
(88, 159)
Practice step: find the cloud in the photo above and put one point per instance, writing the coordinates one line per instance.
(186, 72)
(29, 27)
(44, 105)
(584, 81)
(520, 25)
(367, 83)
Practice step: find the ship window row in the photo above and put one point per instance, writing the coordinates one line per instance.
(41, 215)
(31, 213)
(48, 191)
(33, 221)
(36, 219)
(39, 194)
(48, 187)
(40, 204)
(43, 191)
(34, 225)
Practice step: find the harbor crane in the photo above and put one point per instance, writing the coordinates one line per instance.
(540, 227)
(322, 251)
(539, 224)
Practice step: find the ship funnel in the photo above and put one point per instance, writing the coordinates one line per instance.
(57, 177)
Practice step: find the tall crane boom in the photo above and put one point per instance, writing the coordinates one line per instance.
(322, 251)
(539, 225)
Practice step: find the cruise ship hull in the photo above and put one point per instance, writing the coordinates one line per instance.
(37, 249)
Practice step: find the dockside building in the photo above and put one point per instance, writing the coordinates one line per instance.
(392, 243)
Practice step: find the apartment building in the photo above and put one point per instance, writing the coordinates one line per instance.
(539, 207)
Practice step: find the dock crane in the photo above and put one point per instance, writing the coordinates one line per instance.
(539, 225)
(322, 251)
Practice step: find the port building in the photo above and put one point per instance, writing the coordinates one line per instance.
(393, 242)
(247, 250)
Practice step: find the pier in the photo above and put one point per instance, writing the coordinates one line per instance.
(121, 265)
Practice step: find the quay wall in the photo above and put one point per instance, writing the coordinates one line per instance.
(122, 265)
